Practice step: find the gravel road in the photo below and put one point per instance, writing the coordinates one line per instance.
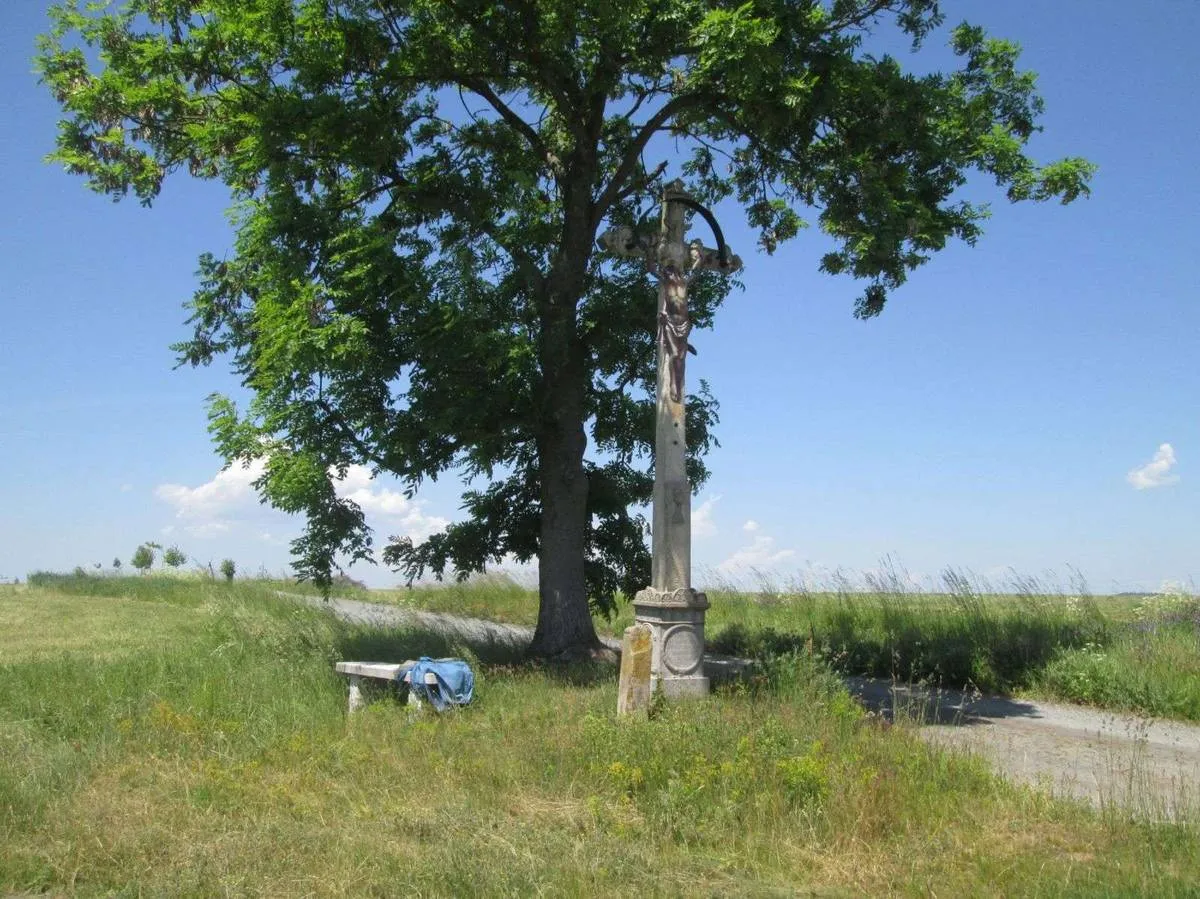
(1146, 766)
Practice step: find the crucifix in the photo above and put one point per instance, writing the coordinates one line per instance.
(670, 607)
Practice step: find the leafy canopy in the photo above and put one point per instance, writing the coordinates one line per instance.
(143, 558)
(417, 187)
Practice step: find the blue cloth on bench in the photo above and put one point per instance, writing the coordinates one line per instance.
(455, 682)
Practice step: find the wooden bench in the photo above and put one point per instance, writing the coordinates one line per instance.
(382, 671)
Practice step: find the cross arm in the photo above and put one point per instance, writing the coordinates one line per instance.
(622, 241)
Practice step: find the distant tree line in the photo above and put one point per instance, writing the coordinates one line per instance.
(149, 552)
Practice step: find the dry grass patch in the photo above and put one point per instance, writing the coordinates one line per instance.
(46, 625)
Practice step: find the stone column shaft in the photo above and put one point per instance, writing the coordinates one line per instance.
(671, 534)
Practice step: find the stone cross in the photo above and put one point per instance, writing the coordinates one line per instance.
(670, 607)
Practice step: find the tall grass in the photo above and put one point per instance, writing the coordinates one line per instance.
(220, 762)
(1126, 653)
(967, 635)
(1150, 663)
(1023, 636)
(162, 584)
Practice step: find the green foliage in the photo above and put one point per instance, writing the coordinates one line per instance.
(116, 564)
(228, 569)
(143, 558)
(418, 188)
(174, 557)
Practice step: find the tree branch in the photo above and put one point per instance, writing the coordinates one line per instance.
(482, 89)
(634, 154)
(348, 433)
(868, 12)
(633, 186)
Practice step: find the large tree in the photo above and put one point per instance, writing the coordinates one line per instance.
(418, 186)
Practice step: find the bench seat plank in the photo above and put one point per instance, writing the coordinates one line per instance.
(377, 670)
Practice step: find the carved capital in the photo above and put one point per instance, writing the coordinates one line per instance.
(683, 598)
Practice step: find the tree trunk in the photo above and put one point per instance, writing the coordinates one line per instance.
(564, 619)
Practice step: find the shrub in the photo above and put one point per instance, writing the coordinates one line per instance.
(174, 557)
(143, 558)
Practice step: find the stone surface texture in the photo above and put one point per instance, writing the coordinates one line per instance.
(633, 690)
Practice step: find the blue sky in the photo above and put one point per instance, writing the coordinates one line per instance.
(1027, 404)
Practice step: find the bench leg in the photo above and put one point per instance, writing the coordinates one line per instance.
(356, 699)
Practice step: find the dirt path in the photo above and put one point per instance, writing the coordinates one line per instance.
(468, 630)
(1148, 766)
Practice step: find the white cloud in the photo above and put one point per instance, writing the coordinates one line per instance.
(125, 488)
(229, 501)
(761, 553)
(750, 526)
(402, 516)
(1156, 472)
(702, 518)
(231, 488)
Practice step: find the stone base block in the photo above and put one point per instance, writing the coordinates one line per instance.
(694, 687)
(676, 622)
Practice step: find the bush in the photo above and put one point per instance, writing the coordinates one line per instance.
(143, 558)
(174, 557)
(228, 569)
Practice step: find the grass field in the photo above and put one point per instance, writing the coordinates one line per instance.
(1129, 653)
(191, 740)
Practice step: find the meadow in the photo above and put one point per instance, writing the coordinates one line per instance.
(1024, 638)
(172, 738)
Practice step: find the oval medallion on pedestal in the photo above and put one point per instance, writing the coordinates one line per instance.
(682, 649)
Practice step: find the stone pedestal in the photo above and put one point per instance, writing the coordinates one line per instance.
(676, 622)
